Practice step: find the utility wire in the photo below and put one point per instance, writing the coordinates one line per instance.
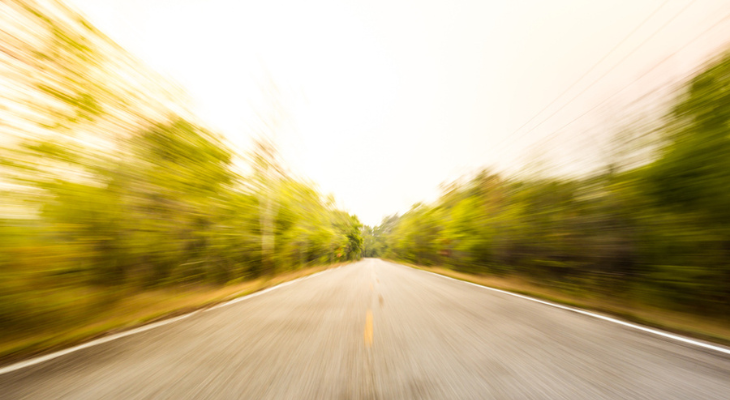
(632, 52)
(615, 47)
(716, 24)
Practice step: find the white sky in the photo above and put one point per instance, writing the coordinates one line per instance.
(388, 99)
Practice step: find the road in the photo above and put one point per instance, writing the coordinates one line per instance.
(378, 330)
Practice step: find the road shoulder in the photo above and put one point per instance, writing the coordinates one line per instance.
(691, 326)
(138, 311)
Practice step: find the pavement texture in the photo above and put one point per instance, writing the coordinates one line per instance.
(378, 330)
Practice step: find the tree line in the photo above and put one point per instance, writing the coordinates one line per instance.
(656, 232)
(111, 186)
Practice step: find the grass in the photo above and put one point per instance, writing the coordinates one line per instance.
(697, 326)
(135, 310)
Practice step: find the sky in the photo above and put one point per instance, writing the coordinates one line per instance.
(383, 101)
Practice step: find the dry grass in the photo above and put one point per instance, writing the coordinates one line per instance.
(716, 330)
(135, 310)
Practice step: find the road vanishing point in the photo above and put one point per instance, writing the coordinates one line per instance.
(379, 330)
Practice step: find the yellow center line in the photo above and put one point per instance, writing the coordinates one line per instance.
(368, 335)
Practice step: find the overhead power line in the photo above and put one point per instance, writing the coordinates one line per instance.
(592, 68)
(501, 144)
(606, 100)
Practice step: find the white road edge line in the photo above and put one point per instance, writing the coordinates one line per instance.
(105, 339)
(654, 331)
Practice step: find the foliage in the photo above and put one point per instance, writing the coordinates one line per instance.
(657, 233)
(117, 196)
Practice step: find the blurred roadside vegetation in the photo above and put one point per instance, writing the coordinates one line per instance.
(654, 232)
(111, 187)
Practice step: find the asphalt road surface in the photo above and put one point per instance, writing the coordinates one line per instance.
(377, 330)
